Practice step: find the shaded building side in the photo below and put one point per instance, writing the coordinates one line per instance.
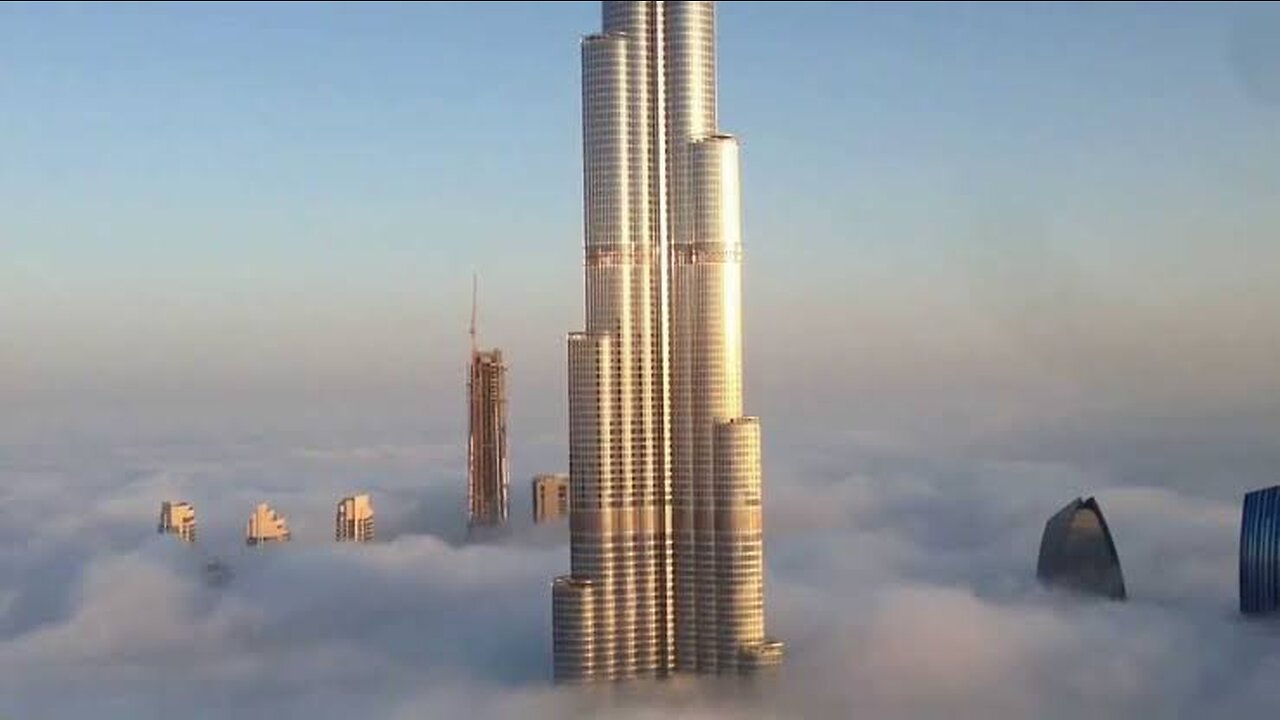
(1260, 552)
(1078, 553)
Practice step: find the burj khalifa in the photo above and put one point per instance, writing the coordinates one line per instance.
(666, 544)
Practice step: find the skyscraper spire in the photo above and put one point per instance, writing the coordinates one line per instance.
(666, 548)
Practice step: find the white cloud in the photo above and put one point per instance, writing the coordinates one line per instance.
(904, 590)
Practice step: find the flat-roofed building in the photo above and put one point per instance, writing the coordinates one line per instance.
(550, 497)
(178, 518)
(355, 519)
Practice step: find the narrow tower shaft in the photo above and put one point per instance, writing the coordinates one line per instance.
(708, 281)
(690, 115)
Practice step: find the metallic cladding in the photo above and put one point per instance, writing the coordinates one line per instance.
(658, 369)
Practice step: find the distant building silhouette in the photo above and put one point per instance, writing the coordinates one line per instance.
(178, 518)
(550, 497)
(266, 526)
(217, 573)
(1077, 552)
(355, 519)
(1260, 552)
(487, 434)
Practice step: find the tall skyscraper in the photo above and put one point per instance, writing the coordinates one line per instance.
(354, 521)
(666, 543)
(178, 518)
(266, 526)
(487, 433)
(550, 497)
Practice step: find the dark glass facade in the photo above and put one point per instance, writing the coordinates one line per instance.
(1260, 552)
(1077, 552)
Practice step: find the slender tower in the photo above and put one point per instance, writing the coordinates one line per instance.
(486, 433)
(666, 549)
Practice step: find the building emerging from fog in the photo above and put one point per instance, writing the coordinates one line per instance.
(486, 434)
(217, 574)
(550, 497)
(266, 526)
(354, 519)
(1077, 552)
(1260, 552)
(666, 555)
(178, 518)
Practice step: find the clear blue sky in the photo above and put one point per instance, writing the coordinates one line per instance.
(265, 195)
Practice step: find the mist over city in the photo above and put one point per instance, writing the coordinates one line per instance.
(991, 260)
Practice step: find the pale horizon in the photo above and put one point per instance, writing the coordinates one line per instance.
(996, 257)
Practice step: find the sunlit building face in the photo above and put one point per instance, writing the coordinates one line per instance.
(666, 537)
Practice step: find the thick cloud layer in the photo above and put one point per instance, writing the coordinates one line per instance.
(904, 588)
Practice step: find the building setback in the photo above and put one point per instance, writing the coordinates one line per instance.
(178, 518)
(1260, 552)
(486, 434)
(550, 497)
(666, 532)
(354, 521)
(1077, 552)
(266, 526)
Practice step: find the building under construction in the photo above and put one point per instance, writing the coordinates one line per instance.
(487, 434)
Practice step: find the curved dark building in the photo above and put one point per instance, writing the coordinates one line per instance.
(1077, 552)
(1260, 552)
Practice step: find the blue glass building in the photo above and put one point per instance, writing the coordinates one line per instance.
(1260, 552)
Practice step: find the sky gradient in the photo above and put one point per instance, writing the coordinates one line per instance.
(997, 256)
(961, 222)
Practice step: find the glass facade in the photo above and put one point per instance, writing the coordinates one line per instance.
(1260, 552)
(1077, 552)
(655, 378)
